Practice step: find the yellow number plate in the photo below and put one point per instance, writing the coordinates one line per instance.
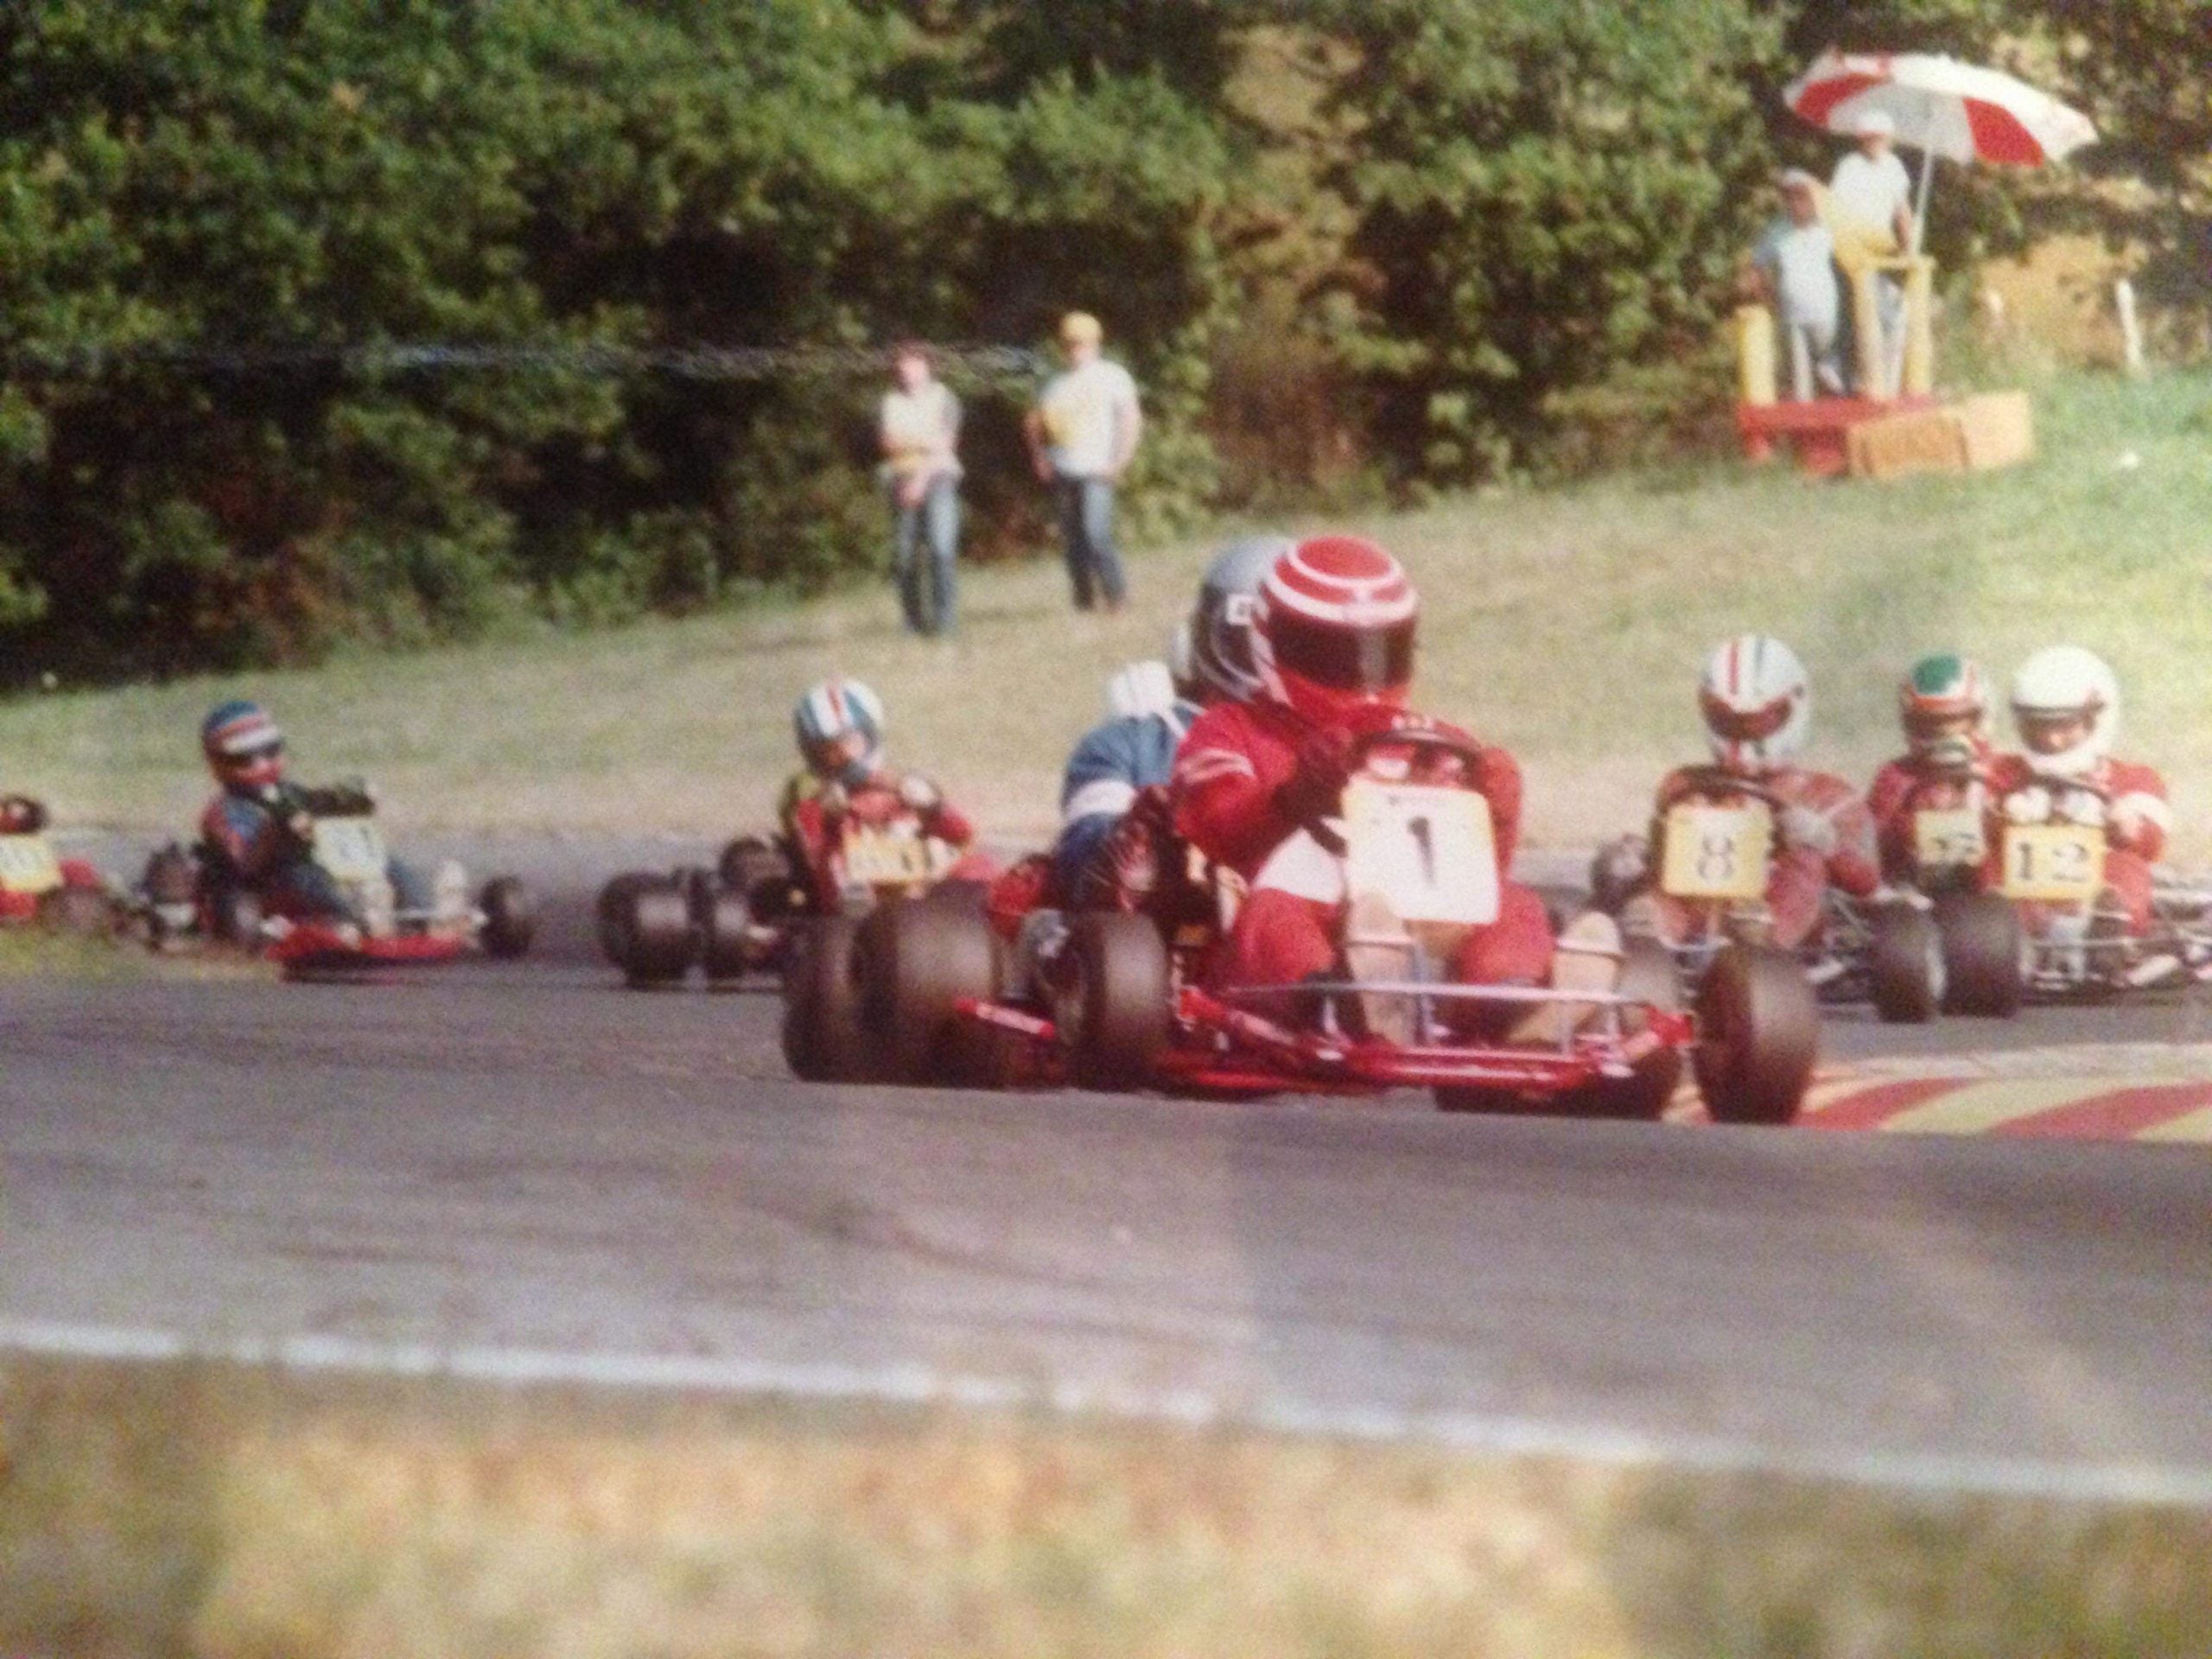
(1431, 851)
(2060, 862)
(350, 848)
(876, 860)
(28, 865)
(1947, 835)
(1716, 851)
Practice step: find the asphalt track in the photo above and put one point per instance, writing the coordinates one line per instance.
(519, 1170)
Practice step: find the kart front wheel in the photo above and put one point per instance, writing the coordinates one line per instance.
(724, 923)
(1905, 964)
(509, 918)
(236, 913)
(822, 1038)
(1119, 1011)
(611, 913)
(659, 943)
(1983, 945)
(920, 960)
(1759, 1032)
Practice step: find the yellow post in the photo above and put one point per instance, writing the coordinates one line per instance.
(1872, 378)
(1919, 326)
(1755, 370)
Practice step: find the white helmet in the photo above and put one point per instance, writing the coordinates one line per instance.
(2059, 687)
(1756, 705)
(839, 726)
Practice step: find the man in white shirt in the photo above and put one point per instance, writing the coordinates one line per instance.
(1083, 434)
(1796, 258)
(1870, 199)
(918, 428)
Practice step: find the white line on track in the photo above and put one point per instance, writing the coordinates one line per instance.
(918, 1385)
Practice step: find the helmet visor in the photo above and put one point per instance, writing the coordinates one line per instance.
(1344, 659)
(1746, 725)
(1925, 724)
(256, 754)
(2053, 731)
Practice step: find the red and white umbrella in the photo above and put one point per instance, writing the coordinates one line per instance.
(1941, 107)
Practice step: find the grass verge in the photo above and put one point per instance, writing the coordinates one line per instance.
(208, 1509)
(1569, 624)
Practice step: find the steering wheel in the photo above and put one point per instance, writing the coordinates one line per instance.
(1708, 781)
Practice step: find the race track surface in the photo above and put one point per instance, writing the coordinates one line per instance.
(521, 1169)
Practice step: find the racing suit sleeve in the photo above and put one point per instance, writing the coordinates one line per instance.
(1222, 804)
(1854, 866)
(1887, 801)
(2140, 815)
(1500, 783)
(242, 836)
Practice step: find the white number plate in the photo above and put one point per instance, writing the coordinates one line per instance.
(28, 865)
(876, 859)
(1716, 851)
(1947, 835)
(350, 848)
(2053, 862)
(1431, 851)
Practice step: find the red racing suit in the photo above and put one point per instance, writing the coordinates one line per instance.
(813, 821)
(1229, 772)
(2128, 799)
(1907, 787)
(1799, 875)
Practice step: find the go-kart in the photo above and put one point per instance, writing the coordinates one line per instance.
(2051, 875)
(743, 915)
(183, 897)
(1908, 954)
(38, 885)
(924, 993)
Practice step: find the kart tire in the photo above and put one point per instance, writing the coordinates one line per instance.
(235, 914)
(1648, 974)
(82, 913)
(509, 918)
(1758, 1034)
(1905, 964)
(723, 923)
(750, 860)
(823, 1040)
(611, 913)
(1983, 947)
(1119, 1012)
(660, 938)
(919, 961)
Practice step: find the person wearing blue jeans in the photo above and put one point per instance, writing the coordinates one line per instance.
(1083, 434)
(918, 428)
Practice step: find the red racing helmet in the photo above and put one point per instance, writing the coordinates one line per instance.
(1333, 636)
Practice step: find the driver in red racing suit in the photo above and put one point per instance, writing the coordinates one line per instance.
(1333, 646)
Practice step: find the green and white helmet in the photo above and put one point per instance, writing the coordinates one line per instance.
(1943, 705)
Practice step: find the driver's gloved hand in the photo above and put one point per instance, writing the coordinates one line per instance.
(1807, 830)
(1315, 789)
(289, 811)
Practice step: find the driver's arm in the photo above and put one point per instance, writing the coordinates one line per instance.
(1221, 805)
(1499, 779)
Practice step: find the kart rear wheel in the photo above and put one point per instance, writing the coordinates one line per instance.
(748, 861)
(611, 913)
(1905, 964)
(1758, 1034)
(823, 1041)
(723, 922)
(1119, 1012)
(1983, 947)
(658, 933)
(1648, 975)
(919, 961)
(509, 918)
(82, 911)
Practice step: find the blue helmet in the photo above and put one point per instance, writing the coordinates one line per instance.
(839, 725)
(1212, 655)
(242, 742)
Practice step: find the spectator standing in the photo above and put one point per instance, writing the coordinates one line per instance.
(1083, 434)
(919, 431)
(1795, 259)
(1870, 197)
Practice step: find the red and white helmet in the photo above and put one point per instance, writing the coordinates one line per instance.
(1757, 704)
(2066, 704)
(1333, 633)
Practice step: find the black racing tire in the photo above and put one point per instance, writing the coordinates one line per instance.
(509, 918)
(611, 913)
(1759, 1035)
(1905, 964)
(750, 860)
(1119, 1012)
(660, 939)
(82, 913)
(723, 921)
(823, 1039)
(1983, 945)
(920, 960)
(235, 914)
(1648, 974)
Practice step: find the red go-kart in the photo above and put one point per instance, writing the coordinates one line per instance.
(927, 993)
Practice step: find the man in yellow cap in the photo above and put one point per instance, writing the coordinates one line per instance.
(1082, 434)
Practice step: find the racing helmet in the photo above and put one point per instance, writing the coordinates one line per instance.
(1943, 705)
(1756, 701)
(242, 745)
(1332, 634)
(2066, 704)
(839, 725)
(1212, 654)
